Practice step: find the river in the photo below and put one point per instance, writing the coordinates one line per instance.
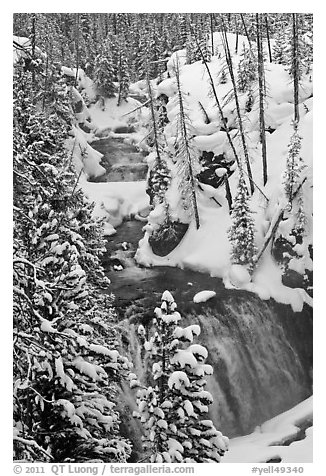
(261, 351)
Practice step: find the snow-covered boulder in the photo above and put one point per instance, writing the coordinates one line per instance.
(204, 296)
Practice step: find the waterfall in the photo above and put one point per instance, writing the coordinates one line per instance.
(261, 353)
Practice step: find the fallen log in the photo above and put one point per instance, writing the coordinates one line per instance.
(275, 224)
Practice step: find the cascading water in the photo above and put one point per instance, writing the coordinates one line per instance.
(261, 351)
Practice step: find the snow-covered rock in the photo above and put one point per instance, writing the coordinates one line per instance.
(204, 296)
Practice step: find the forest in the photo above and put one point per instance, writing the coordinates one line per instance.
(162, 241)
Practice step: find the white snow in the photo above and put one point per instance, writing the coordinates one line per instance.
(208, 249)
(187, 333)
(204, 296)
(238, 276)
(116, 201)
(267, 441)
(199, 351)
(85, 158)
(178, 379)
(114, 116)
(184, 358)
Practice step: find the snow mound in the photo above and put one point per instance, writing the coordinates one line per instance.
(116, 201)
(204, 296)
(270, 440)
(207, 249)
(85, 158)
(239, 276)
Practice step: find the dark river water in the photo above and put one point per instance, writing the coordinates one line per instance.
(261, 351)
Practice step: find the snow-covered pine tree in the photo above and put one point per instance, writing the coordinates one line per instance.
(187, 158)
(159, 174)
(247, 70)
(192, 52)
(174, 407)
(242, 232)
(143, 53)
(183, 26)
(205, 47)
(301, 220)
(66, 367)
(123, 74)
(122, 24)
(294, 164)
(281, 48)
(223, 79)
(103, 74)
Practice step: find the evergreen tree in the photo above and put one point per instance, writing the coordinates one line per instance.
(247, 70)
(223, 79)
(242, 232)
(192, 53)
(183, 22)
(66, 368)
(294, 164)
(103, 74)
(187, 158)
(174, 407)
(159, 175)
(301, 220)
(205, 48)
(123, 75)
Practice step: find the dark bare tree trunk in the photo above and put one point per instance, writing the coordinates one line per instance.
(154, 120)
(237, 33)
(268, 39)
(77, 48)
(245, 29)
(243, 140)
(275, 224)
(186, 145)
(261, 96)
(295, 67)
(211, 17)
(224, 121)
(228, 192)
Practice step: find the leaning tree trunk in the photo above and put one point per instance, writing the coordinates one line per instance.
(237, 34)
(275, 222)
(245, 29)
(186, 147)
(261, 97)
(243, 140)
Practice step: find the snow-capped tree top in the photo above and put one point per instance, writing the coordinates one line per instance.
(167, 296)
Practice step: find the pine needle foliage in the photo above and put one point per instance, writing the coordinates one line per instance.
(66, 366)
(173, 408)
(242, 232)
(294, 164)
